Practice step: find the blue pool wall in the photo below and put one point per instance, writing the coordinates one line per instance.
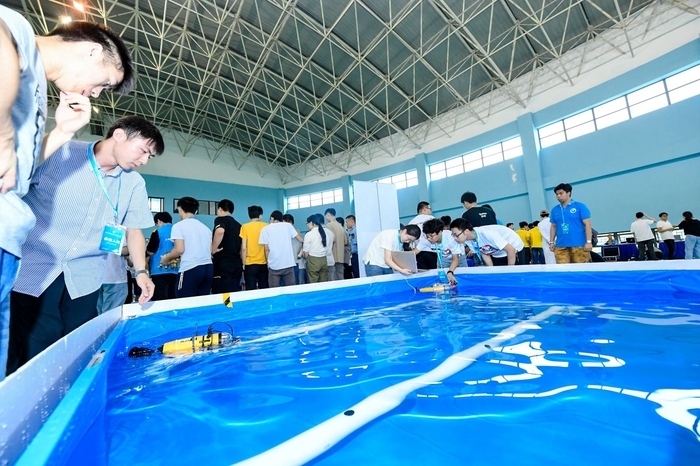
(75, 433)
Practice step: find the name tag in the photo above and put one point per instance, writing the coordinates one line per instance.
(113, 239)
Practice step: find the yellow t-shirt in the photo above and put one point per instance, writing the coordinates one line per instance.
(255, 253)
(535, 238)
(525, 236)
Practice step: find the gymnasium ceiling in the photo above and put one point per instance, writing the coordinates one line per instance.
(297, 86)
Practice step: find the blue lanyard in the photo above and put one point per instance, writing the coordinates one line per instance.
(563, 220)
(439, 251)
(93, 163)
(476, 242)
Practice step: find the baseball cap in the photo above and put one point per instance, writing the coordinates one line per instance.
(544, 212)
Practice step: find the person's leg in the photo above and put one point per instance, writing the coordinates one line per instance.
(689, 246)
(331, 272)
(111, 295)
(651, 252)
(339, 271)
(273, 277)
(521, 257)
(161, 283)
(9, 264)
(640, 251)
(250, 277)
(670, 248)
(76, 312)
(262, 277)
(206, 276)
(184, 287)
(355, 266)
(288, 276)
(696, 248)
(580, 255)
(323, 273)
(313, 268)
(562, 255)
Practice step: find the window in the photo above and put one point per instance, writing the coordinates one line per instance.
(660, 94)
(490, 155)
(315, 199)
(402, 180)
(156, 204)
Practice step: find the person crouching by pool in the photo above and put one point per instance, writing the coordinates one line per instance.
(442, 243)
(378, 256)
(314, 251)
(494, 244)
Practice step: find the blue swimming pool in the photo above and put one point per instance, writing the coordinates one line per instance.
(576, 368)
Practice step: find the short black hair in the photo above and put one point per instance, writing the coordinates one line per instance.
(288, 218)
(254, 211)
(446, 219)
(226, 205)
(510, 223)
(164, 217)
(663, 213)
(350, 216)
(421, 206)
(688, 215)
(469, 197)
(138, 127)
(276, 215)
(340, 220)
(434, 225)
(113, 47)
(412, 230)
(566, 187)
(639, 214)
(188, 205)
(461, 224)
(330, 210)
(523, 224)
(535, 223)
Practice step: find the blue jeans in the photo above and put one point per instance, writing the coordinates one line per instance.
(374, 270)
(692, 247)
(9, 265)
(537, 255)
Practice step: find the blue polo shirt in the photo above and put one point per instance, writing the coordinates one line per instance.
(573, 216)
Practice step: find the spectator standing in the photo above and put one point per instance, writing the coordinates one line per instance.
(665, 230)
(226, 250)
(641, 229)
(524, 255)
(252, 252)
(279, 252)
(87, 198)
(545, 227)
(352, 239)
(476, 215)
(347, 256)
(315, 250)
(192, 241)
(691, 228)
(536, 244)
(339, 242)
(297, 244)
(425, 256)
(80, 70)
(164, 276)
(571, 234)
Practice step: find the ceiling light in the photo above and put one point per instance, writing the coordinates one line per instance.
(79, 6)
(95, 109)
(65, 19)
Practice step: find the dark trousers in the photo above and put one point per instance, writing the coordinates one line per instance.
(227, 275)
(537, 256)
(286, 276)
(255, 276)
(524, 256)
(195, 282)
(647, 245)
(671, 247)
(38, 322)
(165, 286)
(355, 265)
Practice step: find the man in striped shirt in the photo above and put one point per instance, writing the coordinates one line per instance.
(81, 195)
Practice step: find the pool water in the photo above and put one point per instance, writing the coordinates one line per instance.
(604, 379)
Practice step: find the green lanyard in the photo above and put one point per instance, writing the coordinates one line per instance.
(93, 163)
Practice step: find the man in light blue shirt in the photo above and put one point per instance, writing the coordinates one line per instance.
(352, 236)
(81, 196)
(571, 232)
(82, 59)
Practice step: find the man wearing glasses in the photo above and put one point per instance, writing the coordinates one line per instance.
(443, 245)
(494, 244)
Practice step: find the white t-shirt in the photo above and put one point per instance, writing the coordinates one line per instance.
(197, 238)
(313, 245)
(419, 220)
(544, 227)
(387, 239)
(492, 239)
(329, 246)
(665, 234)
(447, 245)
(642, 230)
(276, 236)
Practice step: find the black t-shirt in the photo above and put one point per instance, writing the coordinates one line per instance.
(231, 242)
(153, 243)
(480, 216)
(690, 227)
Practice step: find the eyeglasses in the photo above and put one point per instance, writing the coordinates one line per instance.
(431, 235)
(459, 234)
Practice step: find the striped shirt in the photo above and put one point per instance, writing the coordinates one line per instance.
(71, 211)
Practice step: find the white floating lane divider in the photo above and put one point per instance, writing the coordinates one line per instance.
(314, 442)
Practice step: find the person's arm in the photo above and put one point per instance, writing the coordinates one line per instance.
(553, 236)
(72, 113)
(653, 220)
(394, 265)
(244, 249)
(298, 237)
(153, 244)
(589, 235)
(137, 249)
(451, 271)
(487, 260)
(9, 77)
(267, 250)
(216, 240)
(512, 253)
(661, 229)
(176, 252)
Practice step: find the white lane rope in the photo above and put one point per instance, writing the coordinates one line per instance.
(312, 443)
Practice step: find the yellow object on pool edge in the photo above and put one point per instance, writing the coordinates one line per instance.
(189, 345)
(437, 288)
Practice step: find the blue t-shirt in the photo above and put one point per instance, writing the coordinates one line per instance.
(570, 217)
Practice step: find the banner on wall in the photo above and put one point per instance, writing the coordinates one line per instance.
(376, 209)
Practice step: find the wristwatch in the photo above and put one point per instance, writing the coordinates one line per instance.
(139, 272)
(589, 242)
(450, 271)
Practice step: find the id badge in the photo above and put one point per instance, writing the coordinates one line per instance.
(565, 228)
(113, 239)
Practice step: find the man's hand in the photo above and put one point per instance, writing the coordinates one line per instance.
(73, 112)
(147, 288)
(588, 247)
(551, 247)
